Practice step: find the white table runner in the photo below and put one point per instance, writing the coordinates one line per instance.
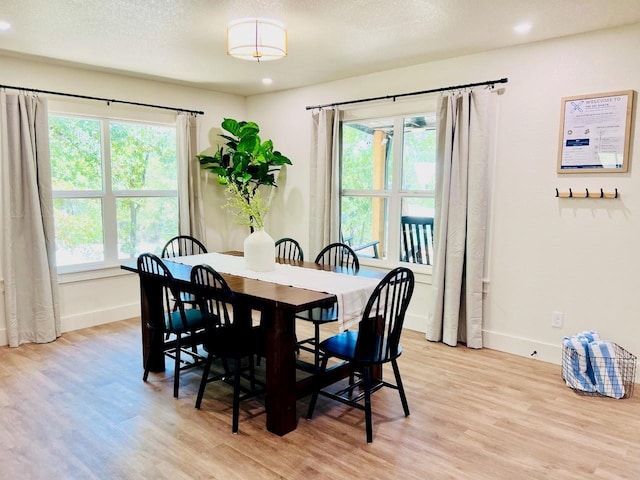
(352, 291)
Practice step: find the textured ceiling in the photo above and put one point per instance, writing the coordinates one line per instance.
(183, 41)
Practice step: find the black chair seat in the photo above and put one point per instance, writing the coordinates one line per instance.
(176, 322)
(343, 346)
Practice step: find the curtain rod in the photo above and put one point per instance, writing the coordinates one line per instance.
(108, 100)
(398, 95)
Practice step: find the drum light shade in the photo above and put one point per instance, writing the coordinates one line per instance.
(257, 40)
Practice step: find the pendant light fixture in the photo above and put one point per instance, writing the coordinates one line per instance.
(257, 40)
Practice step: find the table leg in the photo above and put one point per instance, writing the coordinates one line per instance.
(150, 308)
(280, 371)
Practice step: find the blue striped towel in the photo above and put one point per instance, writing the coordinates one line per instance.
(575, 364)
(591, 336)
(602, 356)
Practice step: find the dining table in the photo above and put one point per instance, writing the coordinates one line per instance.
(278, 296)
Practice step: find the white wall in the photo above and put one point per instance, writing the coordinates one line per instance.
(546, 254)
(86, 301)
(575, 256)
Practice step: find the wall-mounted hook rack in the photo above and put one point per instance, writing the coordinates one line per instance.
(587, 194)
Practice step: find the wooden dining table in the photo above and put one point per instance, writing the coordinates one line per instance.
(278, 305)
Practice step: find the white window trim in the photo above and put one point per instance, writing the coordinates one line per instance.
(394, 196)
(111, 265)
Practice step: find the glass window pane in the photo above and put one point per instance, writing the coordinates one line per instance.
(143, 157)
(416, 232)
(75, 146)
(145, 224)
(418, 207)
(79, 234)
(367, 154)
(419, 154)
(364, 225)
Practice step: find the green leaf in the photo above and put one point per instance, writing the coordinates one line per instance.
(230, 125)
(248, 143)
(248, 129)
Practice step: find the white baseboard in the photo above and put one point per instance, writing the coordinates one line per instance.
(415, 322)
(523, 347)
(99, 317)
(89, 319)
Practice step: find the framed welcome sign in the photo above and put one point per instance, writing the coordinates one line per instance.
(595, 132)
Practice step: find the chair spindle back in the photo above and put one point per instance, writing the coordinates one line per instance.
(417, 239)
(155, 274)
(183, 245)
(213, 294)
(289, 249)
(381, 325)
(338, 254)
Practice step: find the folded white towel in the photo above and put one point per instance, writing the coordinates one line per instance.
(608, 381)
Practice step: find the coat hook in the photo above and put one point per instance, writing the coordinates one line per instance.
(557, 194)
(587, 190)
(616, 195)
(570, 194)
(601, 193)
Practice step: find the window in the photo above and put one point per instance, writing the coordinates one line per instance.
(388, 175)
(115, 189)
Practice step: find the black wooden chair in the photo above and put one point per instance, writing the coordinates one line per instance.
(289, 249)
(416, 238)
(181, 325)
(181, 246)
(377, 341)
(225, 338)
(337, 254)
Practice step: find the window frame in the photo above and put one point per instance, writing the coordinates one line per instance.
(394, 195)
(107, 195)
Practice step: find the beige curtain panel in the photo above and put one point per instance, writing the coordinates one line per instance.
(28, 240)
(190, 203)
(462, 163)
(325, 180)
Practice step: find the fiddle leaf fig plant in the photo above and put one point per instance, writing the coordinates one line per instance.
(244, 164)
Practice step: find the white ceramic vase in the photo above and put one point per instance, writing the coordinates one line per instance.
(259, 252)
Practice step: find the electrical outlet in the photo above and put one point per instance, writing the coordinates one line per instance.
(557, 318)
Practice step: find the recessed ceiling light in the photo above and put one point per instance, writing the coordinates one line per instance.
(522, 28)
(267, 81)
(4, 25)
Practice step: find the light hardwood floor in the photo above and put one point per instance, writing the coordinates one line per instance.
(78, 409)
